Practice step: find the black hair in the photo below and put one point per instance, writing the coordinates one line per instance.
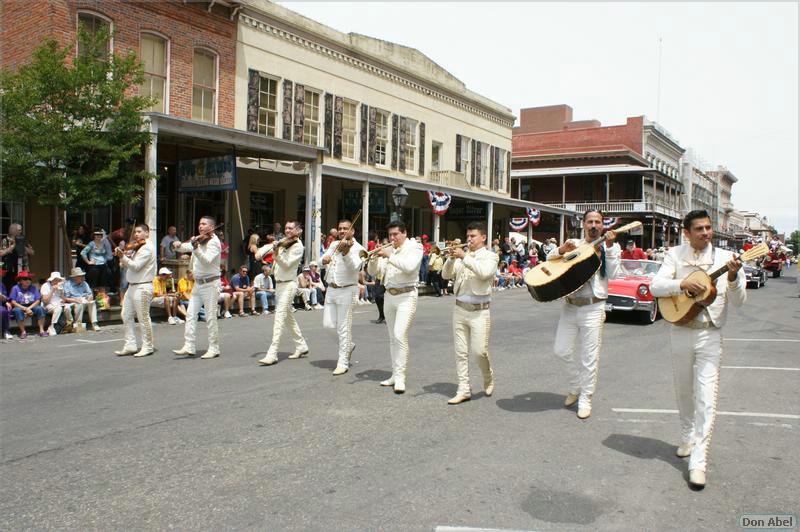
(345, 220)
(588, 212)
(297, 224)
(143, 226)
(210, 219)
(398, 224)
(694, 215)
(477, 226)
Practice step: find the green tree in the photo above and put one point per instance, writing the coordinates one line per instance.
(70, 129)
(794, 239)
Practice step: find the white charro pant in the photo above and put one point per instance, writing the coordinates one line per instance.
(284, 297)
(338, 318)
(584, 324)
(696, 355)
(78, 308)
(471, 330)
(399, 311)
(203, 295)
(137, 305)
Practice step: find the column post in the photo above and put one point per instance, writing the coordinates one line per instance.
(364, 213)
(150, 188)
(489, 219)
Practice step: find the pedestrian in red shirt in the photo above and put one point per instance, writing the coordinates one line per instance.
(631, 252)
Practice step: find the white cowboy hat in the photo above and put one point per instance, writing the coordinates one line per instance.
(77, 272)
(54, 276)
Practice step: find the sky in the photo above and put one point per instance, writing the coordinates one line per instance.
(729, 71)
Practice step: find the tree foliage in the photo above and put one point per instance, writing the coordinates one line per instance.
(70, 126)
(794, 239)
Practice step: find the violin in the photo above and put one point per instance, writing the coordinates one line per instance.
(203, 238)
(131, 247)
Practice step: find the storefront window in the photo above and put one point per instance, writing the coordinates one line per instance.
(262, 210)
(11, 212)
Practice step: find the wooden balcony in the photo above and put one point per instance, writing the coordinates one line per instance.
(450, 178)
(623, 207)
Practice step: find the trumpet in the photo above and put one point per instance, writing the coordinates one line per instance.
(368, 255)
(449, 247)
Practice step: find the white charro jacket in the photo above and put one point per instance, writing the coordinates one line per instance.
(474, 274)
(343, 269)
(402, 267)
(682, 260)
(597, 286)
(141, 267)
(286, 260)
(205, 257)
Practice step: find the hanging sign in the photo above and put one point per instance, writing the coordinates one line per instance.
(207, 174)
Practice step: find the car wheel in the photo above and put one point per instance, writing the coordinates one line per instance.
(648, 317)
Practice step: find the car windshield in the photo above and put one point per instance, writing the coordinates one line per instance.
(641, 267)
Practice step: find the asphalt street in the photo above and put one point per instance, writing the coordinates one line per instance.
(91, 441)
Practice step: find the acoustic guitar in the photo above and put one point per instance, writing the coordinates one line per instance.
(560, 276)
(683, 308)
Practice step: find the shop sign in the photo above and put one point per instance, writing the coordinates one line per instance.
(351, 200)
(466, 210)
(207, 174)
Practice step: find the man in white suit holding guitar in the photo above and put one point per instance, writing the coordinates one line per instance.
(697, 345)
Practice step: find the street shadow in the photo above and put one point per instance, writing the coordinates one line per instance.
(376, 375)
(446, 389)
(324, 364)
(646, 449)
(533, 402)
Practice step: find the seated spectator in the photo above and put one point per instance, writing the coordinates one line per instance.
(515, 273)
(4, 304)
(265, 289)
(631, 252)
(185, 287)
(225, 294)
(164, 295)
(502, 277)
(26, 301)
(316, 281)
(78, 296)
(242, 288)
(306, 290)
(98, 254)
(52, 292)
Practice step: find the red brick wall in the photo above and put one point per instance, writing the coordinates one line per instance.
(186, 26)
(606, 138)
(548, 118)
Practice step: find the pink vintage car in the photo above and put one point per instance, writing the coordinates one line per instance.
(631, 293)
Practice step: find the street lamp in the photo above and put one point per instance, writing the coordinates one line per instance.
(399, 197)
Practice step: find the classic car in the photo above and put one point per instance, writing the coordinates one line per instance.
(756, 275)
(631, 293)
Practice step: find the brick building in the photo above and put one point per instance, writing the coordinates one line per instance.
(629, 171)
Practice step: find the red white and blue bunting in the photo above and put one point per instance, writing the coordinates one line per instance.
(534, 216)
(518, 224)
(608, 223)
(440, 202)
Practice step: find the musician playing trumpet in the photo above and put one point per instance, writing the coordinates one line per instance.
(288, 253)
(697, 346)
(399, 273)
(583, 314)
(343, 262)
(472, 270)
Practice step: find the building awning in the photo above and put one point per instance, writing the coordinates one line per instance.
(411, 184)
(584, 170)
(209, 137)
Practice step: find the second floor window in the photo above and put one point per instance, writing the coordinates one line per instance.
(348, 130)
(94, 24)
(154, 60)
(436, 156)
(465, 151)
(311, 118)
(204, 86)
(484, 170)
(268, 106)
(501, 171)
(381, 137)
(411, 145)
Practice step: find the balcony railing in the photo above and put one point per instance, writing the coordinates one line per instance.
(623, 206)
(450, 178)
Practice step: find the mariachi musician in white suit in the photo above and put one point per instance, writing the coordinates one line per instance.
(400, 273)
(473, 273)
(288, 254)
(697, 346)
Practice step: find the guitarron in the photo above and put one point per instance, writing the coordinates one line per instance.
(683, 308)
(559, 277)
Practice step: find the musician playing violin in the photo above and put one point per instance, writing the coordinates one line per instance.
(138, 262)
(697, 346)
(583, 314)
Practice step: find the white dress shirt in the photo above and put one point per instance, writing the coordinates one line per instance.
(597, 286)
(402, 267)
(141, 267)
(286, 260)
(682, 260)
(205, 257)
(343, 270)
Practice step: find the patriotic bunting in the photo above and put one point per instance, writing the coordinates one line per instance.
(534, 216)
(608, 223)
(440, 202)
(518, 224)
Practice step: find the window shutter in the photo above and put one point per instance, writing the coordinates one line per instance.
(458, 154)
(508, 170)
(337, 128)
(287, 109)
(328, 123)
(472, 163)
(401, 144)
(395, 137)
(364, 129)
(299, 111)
(371, 142)
(422, 148)
(253, 80)
(493, 168)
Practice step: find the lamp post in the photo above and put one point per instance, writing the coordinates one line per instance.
(399, 197)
